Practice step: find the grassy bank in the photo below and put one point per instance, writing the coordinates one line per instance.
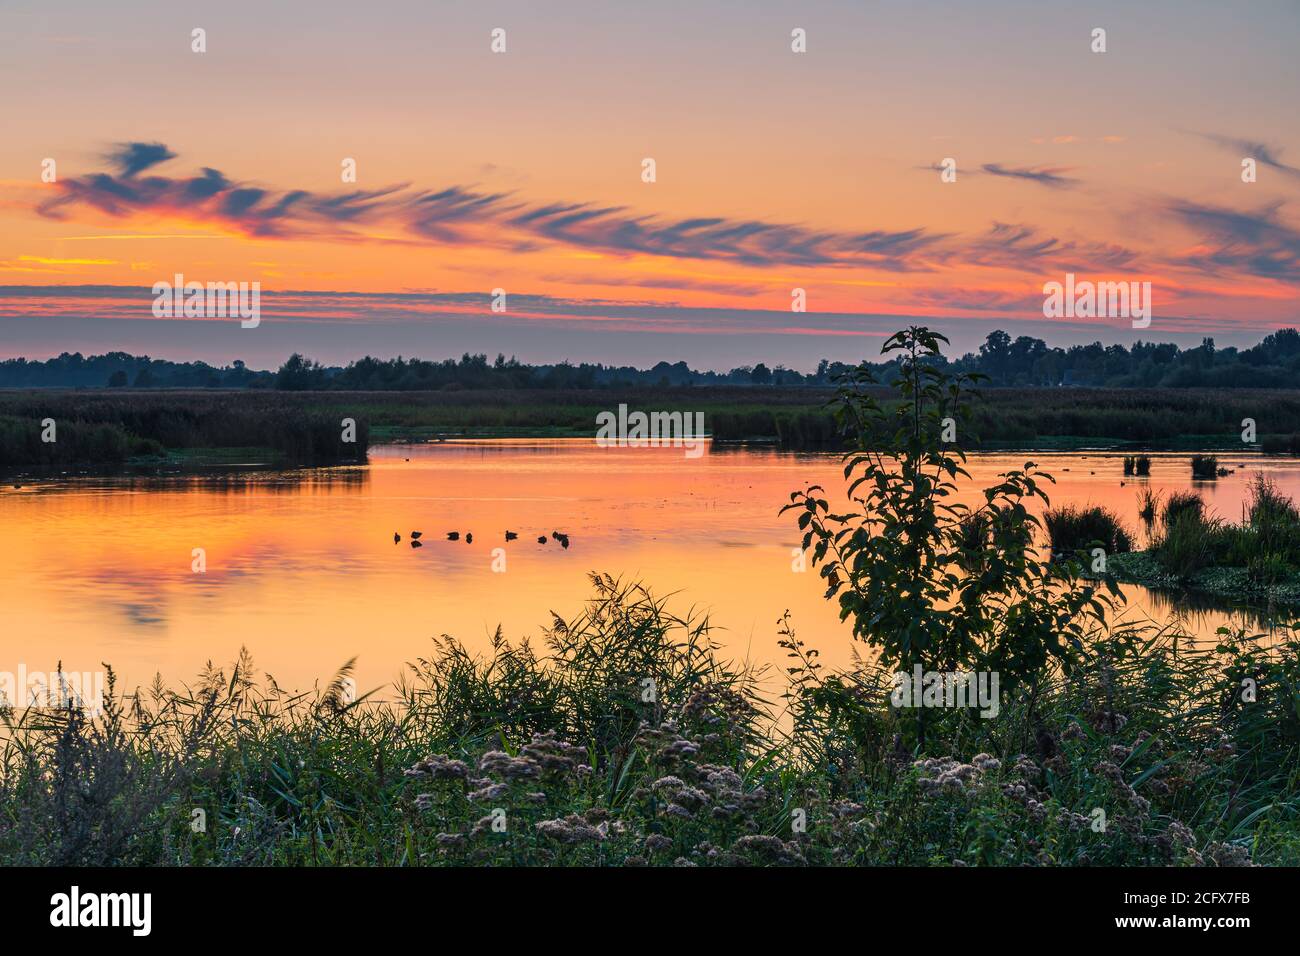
(107, 427)
(626, 739)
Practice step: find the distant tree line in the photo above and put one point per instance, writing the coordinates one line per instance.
(122, 370)
(1025, 361)
(1020, 362)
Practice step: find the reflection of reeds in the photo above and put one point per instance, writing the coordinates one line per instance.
(1139, 466)
(1204, 613)
(262, 481)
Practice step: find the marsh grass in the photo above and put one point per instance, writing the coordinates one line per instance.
(116, 425)
(1148, 505)
(585, 766)
(1190, 542)
(1039, 417)
(111, 428)
(1182, 502)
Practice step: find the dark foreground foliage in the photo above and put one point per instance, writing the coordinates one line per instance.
(628, 741)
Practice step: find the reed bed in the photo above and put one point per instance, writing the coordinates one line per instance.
(110, 428)
(1182, 502)
(1075, 528)
(113, 425)
(1205, 467)
(1265, 543)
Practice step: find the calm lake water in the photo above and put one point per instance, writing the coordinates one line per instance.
(302, 568)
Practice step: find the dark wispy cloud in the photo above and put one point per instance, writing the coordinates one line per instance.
(463, 214)
(132, 158)
(945, 301)
(670, 282)
(451, 215)
(1260, 152)
(1019, 246)
(1042, 175)
(211, 196)
(1235, 241)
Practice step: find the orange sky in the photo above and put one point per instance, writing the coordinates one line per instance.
(522, 170)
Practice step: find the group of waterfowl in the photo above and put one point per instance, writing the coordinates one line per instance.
(415, 536)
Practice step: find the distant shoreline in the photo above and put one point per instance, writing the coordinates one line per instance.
(109, 427)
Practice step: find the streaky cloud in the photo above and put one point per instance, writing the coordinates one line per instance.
(504, 221)
(1044, 176)
(1234, 241)
(1254, 149)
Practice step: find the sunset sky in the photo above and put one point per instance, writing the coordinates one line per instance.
(522, 170)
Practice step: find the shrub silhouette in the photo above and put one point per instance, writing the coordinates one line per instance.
(924, 579)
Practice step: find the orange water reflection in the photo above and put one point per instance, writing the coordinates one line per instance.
(302, 569)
